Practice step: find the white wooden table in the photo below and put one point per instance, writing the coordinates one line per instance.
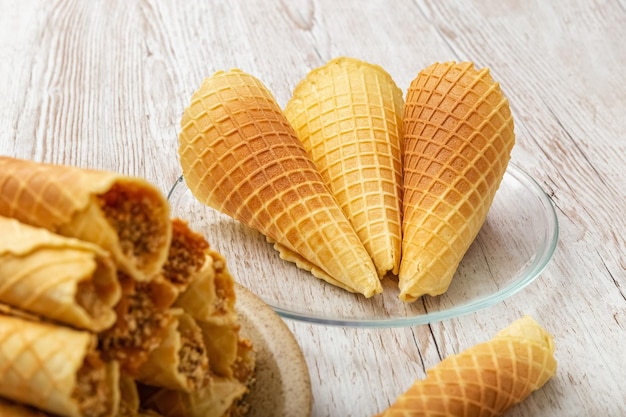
(102, 84)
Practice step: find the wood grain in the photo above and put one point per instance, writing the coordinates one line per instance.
(102, 84)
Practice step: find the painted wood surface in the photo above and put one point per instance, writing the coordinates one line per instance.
(102, 84)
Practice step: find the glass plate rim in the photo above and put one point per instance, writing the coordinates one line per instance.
(536, 267)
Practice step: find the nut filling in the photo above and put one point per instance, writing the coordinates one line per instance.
(92, 392)
(139, 326)
(130, 211)
(193, 361)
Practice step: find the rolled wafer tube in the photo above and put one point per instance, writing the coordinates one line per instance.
(210, 299)
(221, 341)
(126, 216)
(186, 257)
(180, 362)
(348, 115)
(211, 294)
(56, 369)
(206, 288)
(241, 156)
(60, 278)
(458, 136)
(215, 399)
(143, 314)
(484, 380)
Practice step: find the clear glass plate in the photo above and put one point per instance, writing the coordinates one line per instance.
(514, 245)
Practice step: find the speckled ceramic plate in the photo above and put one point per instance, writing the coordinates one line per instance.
(282, 387)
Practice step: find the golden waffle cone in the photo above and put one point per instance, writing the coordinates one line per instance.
(126, 216)
(348, 115)
(485, 380)
(241, 156)
(55, 369)
(60, 278)
(458, 135)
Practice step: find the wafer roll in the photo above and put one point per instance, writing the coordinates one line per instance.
(187, 255)
(60, 278)
(458, 136)
(211, 294)
(348, 115)
(126, 216)
(221, 341)
(206, 288)
(213, 400)
(56, 369)
(241, 156)
(485, 380)
(210, 299)
(180, 362)
(143, 314)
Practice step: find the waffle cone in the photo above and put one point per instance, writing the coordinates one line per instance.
(241, 156)
(458, 135)
(55, 369)
(60, 278)
(485, 380)
(348, 115)
(126, 216)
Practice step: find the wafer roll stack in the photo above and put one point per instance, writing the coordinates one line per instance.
(56, 277)
(485, 380)
(241, 156)
(458, 135)
(56, 369)
(348, 115)
(124, 215)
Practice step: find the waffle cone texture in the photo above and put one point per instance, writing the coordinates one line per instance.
(348, 115)
(485, 380)
(241, 156)
(458, 135)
